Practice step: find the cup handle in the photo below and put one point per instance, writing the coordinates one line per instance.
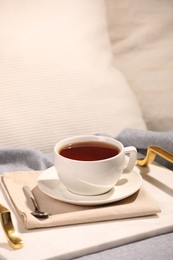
(132, 153)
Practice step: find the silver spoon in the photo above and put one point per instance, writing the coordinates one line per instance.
(36, 213)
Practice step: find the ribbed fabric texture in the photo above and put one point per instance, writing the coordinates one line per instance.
(56, 74)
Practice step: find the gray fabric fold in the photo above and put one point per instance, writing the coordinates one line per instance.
(21, 159)
(24, 159)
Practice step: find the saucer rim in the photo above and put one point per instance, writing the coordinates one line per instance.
(82, 199)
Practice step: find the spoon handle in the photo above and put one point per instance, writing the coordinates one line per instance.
(28, 193)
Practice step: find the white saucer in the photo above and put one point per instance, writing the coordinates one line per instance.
(49, 183)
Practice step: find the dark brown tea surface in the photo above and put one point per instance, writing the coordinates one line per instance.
(89, 151)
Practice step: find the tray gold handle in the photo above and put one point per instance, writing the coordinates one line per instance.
(13, 239)
(152, 151)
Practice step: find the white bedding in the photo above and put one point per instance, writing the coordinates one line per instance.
(142, 42)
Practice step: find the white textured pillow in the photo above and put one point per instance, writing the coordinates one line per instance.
(141, 33)
(57, 77)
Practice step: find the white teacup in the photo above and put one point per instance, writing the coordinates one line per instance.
(92, 165)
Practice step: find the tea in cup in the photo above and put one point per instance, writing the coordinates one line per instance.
(92, 165)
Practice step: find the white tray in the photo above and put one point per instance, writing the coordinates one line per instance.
(69, 242)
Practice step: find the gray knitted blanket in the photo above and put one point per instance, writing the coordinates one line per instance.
(17, 159)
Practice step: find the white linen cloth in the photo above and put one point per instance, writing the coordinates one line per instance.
(61, 213)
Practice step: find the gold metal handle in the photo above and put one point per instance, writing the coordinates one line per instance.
(13, 239)
(152, 151)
